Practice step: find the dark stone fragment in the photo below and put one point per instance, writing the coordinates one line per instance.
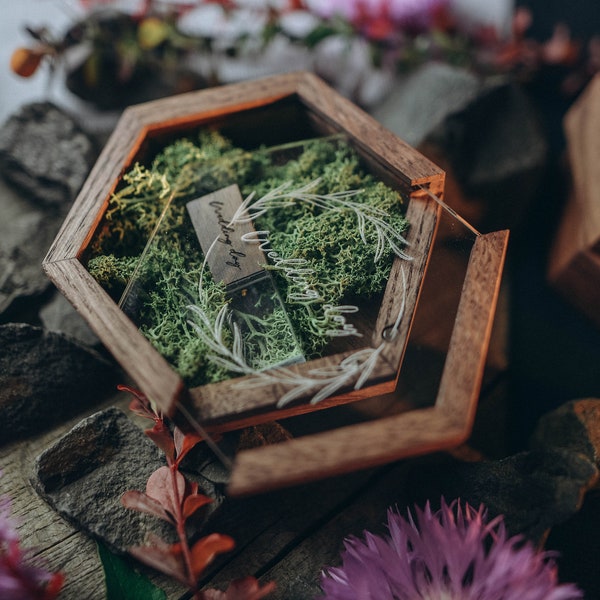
(44, 152)
(534, 490)
(421, 102)
(26, 233)
(85, 473)
(487, 130)
(574, 426)
(46, 378)
(497, 150)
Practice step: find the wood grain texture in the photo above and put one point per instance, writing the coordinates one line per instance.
(445, 425)
(463, 370)
(298, 575)
(143, 123)
(406, 279)
(228, 257)
(342, 450)
(145, 365)
(370, 135)
(574, 263)
(235, 400)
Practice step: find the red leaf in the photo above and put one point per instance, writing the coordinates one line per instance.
(162, 437)
(184, 442)
(205, 550)
(193, 503)
(160, 488)
(53, 587)
(247, 588)
(143, 503)
(140, 405)
(162, 557)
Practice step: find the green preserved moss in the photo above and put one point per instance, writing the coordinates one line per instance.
(347, 256)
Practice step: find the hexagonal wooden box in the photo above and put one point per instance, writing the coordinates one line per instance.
(269, 111)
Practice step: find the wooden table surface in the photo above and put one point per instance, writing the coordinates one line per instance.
(286, 536)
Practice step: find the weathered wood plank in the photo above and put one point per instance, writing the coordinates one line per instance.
(41, 528)
(52, 538)
(268, 525)
(297, 572)
(463, 372)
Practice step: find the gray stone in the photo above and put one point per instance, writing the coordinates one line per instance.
(534, 490)
(85, 473)
(46, 153)
(26, 233)
(46, 378)
(497, 150)
(421, 101)
(574, 426)
(59, 316)
(487, 130)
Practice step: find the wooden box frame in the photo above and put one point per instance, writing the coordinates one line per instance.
(445, 424)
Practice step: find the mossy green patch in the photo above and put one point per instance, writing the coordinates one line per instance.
(344, 247)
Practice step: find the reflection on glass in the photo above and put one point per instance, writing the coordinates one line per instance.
(238, 261)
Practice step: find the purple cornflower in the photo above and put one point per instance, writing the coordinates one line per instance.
(21, 580)
(452, 554)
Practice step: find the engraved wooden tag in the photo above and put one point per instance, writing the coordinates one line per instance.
(239, 265)
(229, 258)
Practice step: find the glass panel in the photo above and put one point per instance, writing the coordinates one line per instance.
(258, 260)
(424, 359)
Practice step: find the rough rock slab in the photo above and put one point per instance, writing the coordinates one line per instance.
(496, 145)
(534, 490)
(46, 153)
(574, 426)
(26, 233)
(85, 473)
(420, 102)
(46, 378)
(487, 130)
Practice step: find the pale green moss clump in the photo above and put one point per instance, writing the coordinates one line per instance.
(341, 262)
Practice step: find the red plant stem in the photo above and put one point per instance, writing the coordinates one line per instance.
(180, 522)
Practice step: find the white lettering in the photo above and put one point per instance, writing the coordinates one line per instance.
(336, 314)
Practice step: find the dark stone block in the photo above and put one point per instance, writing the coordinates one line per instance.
(59, 316)
(533, 490)
(421, 102)
(498, 151)
(85, 473)
(46, 153)
(46, 378)
(574, 426)
(487, 130)
(26, 233)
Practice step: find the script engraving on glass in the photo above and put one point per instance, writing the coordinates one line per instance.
(257, 311)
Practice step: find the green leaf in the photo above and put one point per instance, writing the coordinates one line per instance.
(123, 582)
